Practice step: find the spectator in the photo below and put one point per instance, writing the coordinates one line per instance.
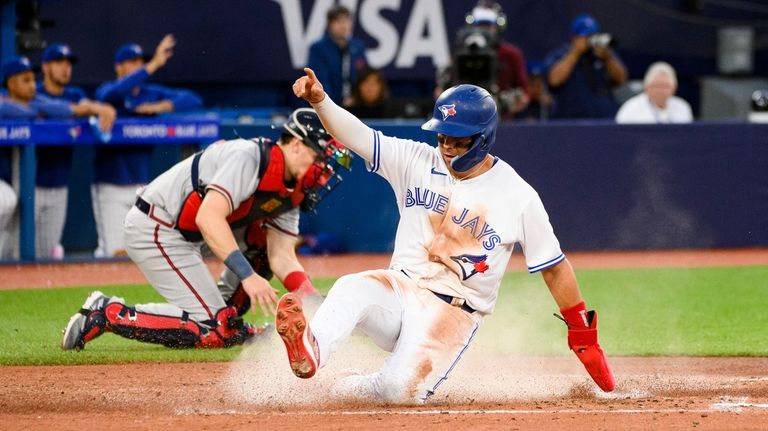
(582, 74)
(540, 104)
(657, 104)
(7, 206)
(337, 57)
(370, 95)
(54, 162)
(509, 81)
(120, 169)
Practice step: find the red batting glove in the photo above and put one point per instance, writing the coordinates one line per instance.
(299, 282)
(582, 339)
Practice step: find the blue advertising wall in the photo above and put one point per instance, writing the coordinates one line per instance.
(605, 186)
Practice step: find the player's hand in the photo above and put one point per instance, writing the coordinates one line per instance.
(260, 292)
(308, 87)
(582, 339)
(152, 108)
(107, 115)
(163, 52)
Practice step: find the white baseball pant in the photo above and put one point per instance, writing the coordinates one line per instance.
(110, 205)
(50, 214)
(8, 202)
(426, 335)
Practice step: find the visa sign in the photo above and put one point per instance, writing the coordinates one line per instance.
(424, 34)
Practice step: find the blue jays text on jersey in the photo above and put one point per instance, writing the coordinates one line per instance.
(437, 203)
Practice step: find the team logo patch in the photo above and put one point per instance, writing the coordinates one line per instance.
(270, 205)
(471, 264)
(447, 110)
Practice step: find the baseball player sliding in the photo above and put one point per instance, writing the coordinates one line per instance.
(235, 195)
(461, 212)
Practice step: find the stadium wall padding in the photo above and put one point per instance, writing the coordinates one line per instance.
(605, 186)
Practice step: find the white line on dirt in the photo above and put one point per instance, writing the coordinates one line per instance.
(714, 409)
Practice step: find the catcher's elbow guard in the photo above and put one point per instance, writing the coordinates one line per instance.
(583, 342)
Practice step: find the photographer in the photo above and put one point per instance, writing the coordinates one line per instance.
(582, 73)
(483, 58)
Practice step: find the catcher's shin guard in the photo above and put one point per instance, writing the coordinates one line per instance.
(226, 330)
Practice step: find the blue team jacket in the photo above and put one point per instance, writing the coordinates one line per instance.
(129, 164)
(54, 163)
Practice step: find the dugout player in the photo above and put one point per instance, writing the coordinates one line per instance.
(462, 210)
(242, 194)
(54, 162)
(120, 169)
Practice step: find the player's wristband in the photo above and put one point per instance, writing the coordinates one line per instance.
(238, 263)
(294, 280)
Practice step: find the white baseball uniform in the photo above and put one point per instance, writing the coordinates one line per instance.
(173, 265)
(8, 202)
(454, 238)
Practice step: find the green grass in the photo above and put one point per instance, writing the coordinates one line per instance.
(646, 312)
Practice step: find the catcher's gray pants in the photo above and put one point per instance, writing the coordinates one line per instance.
(173, 266)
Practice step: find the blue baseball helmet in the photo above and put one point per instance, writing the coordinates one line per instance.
(466, 110)
(584, 25)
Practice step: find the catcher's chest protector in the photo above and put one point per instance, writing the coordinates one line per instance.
(270, 199)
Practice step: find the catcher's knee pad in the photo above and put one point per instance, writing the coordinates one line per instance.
(178, 332)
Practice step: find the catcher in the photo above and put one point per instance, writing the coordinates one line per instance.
(250, 189)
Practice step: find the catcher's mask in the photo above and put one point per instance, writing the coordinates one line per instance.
(323, 176)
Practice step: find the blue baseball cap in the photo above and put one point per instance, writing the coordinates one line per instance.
(59, 51)
(584, 25)
(15, 66)
(130, 51)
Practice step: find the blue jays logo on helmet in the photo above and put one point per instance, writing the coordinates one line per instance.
(463, 111)
(447, 110)
(471, 264)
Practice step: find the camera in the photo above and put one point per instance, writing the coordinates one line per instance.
(475, 57)
(601, 40)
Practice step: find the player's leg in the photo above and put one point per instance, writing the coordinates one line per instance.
(7, 210)
(367, 300)
(195, 316)
(433, 338)
(50, 214)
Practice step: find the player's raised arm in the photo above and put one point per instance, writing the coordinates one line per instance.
(339, 122)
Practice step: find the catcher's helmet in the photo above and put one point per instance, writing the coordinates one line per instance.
(322, 177)
(466, 110)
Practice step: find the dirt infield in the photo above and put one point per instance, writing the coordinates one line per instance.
(494, 392)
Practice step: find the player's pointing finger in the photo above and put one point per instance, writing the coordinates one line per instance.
(311, 74)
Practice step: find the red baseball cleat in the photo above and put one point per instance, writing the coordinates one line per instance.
(291, 324)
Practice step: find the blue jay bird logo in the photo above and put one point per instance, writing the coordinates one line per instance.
(447, 110)
(470, 264)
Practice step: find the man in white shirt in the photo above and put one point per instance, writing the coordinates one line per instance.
(657, 104)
